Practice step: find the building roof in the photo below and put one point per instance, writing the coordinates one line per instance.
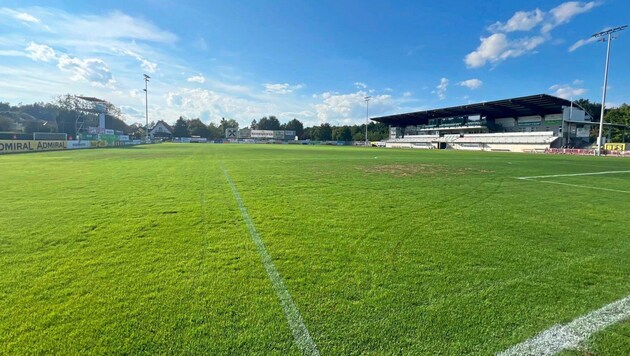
(92, 99)
(540, 104)
(163, 123)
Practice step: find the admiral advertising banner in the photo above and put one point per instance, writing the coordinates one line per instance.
(17, 146)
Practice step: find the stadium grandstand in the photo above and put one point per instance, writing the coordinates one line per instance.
(529, 123)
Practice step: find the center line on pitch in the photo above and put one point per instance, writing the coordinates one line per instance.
(300, 333)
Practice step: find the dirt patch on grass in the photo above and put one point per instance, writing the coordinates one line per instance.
(407, 170)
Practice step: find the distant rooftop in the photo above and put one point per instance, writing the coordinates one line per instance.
(92, 99)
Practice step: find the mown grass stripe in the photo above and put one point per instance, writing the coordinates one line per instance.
(569, 336)
(300, 333)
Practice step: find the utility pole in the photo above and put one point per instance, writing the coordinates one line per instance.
(146, 107)
(367, 114)
(605, 36)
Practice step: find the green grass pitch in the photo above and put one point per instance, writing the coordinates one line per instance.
(145, 250)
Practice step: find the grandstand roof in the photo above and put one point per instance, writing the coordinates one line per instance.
(540, 104)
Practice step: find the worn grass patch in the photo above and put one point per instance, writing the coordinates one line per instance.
(406, 170)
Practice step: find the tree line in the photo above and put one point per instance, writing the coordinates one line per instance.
(324, 132)
(619, 115)
(60, 115)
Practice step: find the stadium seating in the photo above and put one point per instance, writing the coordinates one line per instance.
(543, 137)
(503, 141)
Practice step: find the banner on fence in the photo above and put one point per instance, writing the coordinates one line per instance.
(15, 146)
(78, 144)
(611, 146)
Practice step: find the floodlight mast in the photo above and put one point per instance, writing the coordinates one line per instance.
(367, 111)
(605, 36)
(146, 107)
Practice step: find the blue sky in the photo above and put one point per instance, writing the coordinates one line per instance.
(310, 60)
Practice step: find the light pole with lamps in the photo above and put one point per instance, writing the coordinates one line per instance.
(367, 111)
(605, 36)
(146, 107)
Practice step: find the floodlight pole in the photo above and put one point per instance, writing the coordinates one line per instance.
(367, 112)
(146, 107)
(609, 39)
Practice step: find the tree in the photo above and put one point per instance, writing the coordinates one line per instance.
(254, 125)
(41, 111)
(136, 131)
(115, 123)
(593, 109)
(6, 123)
(341, 133)
(228, 124)
(377, 131)
(181, 128)
(36, 126)
(358, 132)
(322, 132)
(197, 128)
(297, 126)
(308, 133)
(66, 122)
(215, 131)
(270, 123)
(620, 115)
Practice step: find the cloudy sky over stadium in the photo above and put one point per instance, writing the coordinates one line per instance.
(310, 60)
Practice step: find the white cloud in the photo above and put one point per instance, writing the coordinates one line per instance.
(196, 79)
(498, 46)
(173, 99)
(335, 107)
(581, 43)
(471, 83)
(20, 16)
(520, 21)
(564, 12)
(210, 105)
(12, 53)
(114, 25)
(360, 85)
(146, 65)
(407, 94)
(441, 88)
(40, 52)
(490, 49)
(93, 70)
(282, 88)
(566, 91)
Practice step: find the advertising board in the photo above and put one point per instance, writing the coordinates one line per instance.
(16, 146)
(611, 146)
(262, 133)
(78, 144)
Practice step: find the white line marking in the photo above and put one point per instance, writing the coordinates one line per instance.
(298, 328)
(578, 186)
(569, 336)
(573, 174)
